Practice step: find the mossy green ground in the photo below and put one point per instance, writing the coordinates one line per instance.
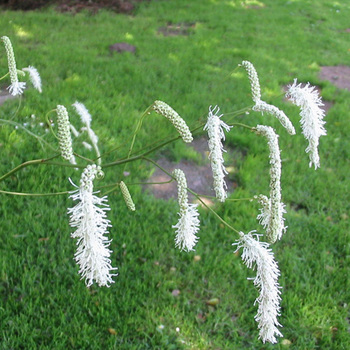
(44, 305)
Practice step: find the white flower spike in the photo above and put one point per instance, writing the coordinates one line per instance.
(188, 224)
(312, 123)
(214, 127)
(271, 216)
(266, 280)
(254, 80)
(16, 87)
(180, 125)
(34, 77)
(64, 135)
(89, 218)
(86, 119)
(262, 107)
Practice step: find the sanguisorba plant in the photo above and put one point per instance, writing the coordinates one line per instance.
(88, 217)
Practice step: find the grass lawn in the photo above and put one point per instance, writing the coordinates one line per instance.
(162, 297)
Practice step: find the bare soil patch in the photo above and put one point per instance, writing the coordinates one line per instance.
(176, 29)
(337, 75)
(199, 177)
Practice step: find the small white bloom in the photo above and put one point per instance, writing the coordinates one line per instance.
(262, 107)
(188, 224)
(64, 136)
(215, 127)
(16, 87)
(90, 220)
(86, 119)
(312, 123)
(266, 280)
(272, 215)
(87, 145)
(254, 80)
(34, 77)
(180, 125)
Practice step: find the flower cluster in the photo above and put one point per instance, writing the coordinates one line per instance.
(90, 220)
(34, 77)
(188, 224)
(271, 216)
(16, 87)
(127, 197)
(64, 136)
(262, 106)
(312, 123)
(180, 125)
(266, 280)
(214, 127)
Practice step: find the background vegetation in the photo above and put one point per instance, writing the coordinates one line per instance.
(43, 303)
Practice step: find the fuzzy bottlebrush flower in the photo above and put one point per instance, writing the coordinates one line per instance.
(16, 87)
(312, 123)
(215, 127)
(127, 197)
(64, 136)
(91, 223)
(34, 77)
(188, 224)
(266, 280)
(272, 214)
(180, 125)
(86, 119)
(262, 107)
(254, 80)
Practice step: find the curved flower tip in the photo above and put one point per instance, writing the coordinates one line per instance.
(262, 106)
(312, 114)
(266, 280)
(180, 125)
(214, 127)
(254, 80)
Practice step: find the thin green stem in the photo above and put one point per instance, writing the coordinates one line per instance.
(25, 164)
(34, 194)
(20, 126)
(212, 211)
(4, 76)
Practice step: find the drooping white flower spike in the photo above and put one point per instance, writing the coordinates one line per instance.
(188, 224)
(16, 87)
(64, 136)
(312, 114)
(86, 119)
(89, 218)
(266, 280)
(262, 106)
(271, 216)
(34, 77)
(180, 125)
(214, 127)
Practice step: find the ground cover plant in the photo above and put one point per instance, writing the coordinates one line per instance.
(164, 298)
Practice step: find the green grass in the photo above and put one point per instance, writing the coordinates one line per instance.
(44, 305)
